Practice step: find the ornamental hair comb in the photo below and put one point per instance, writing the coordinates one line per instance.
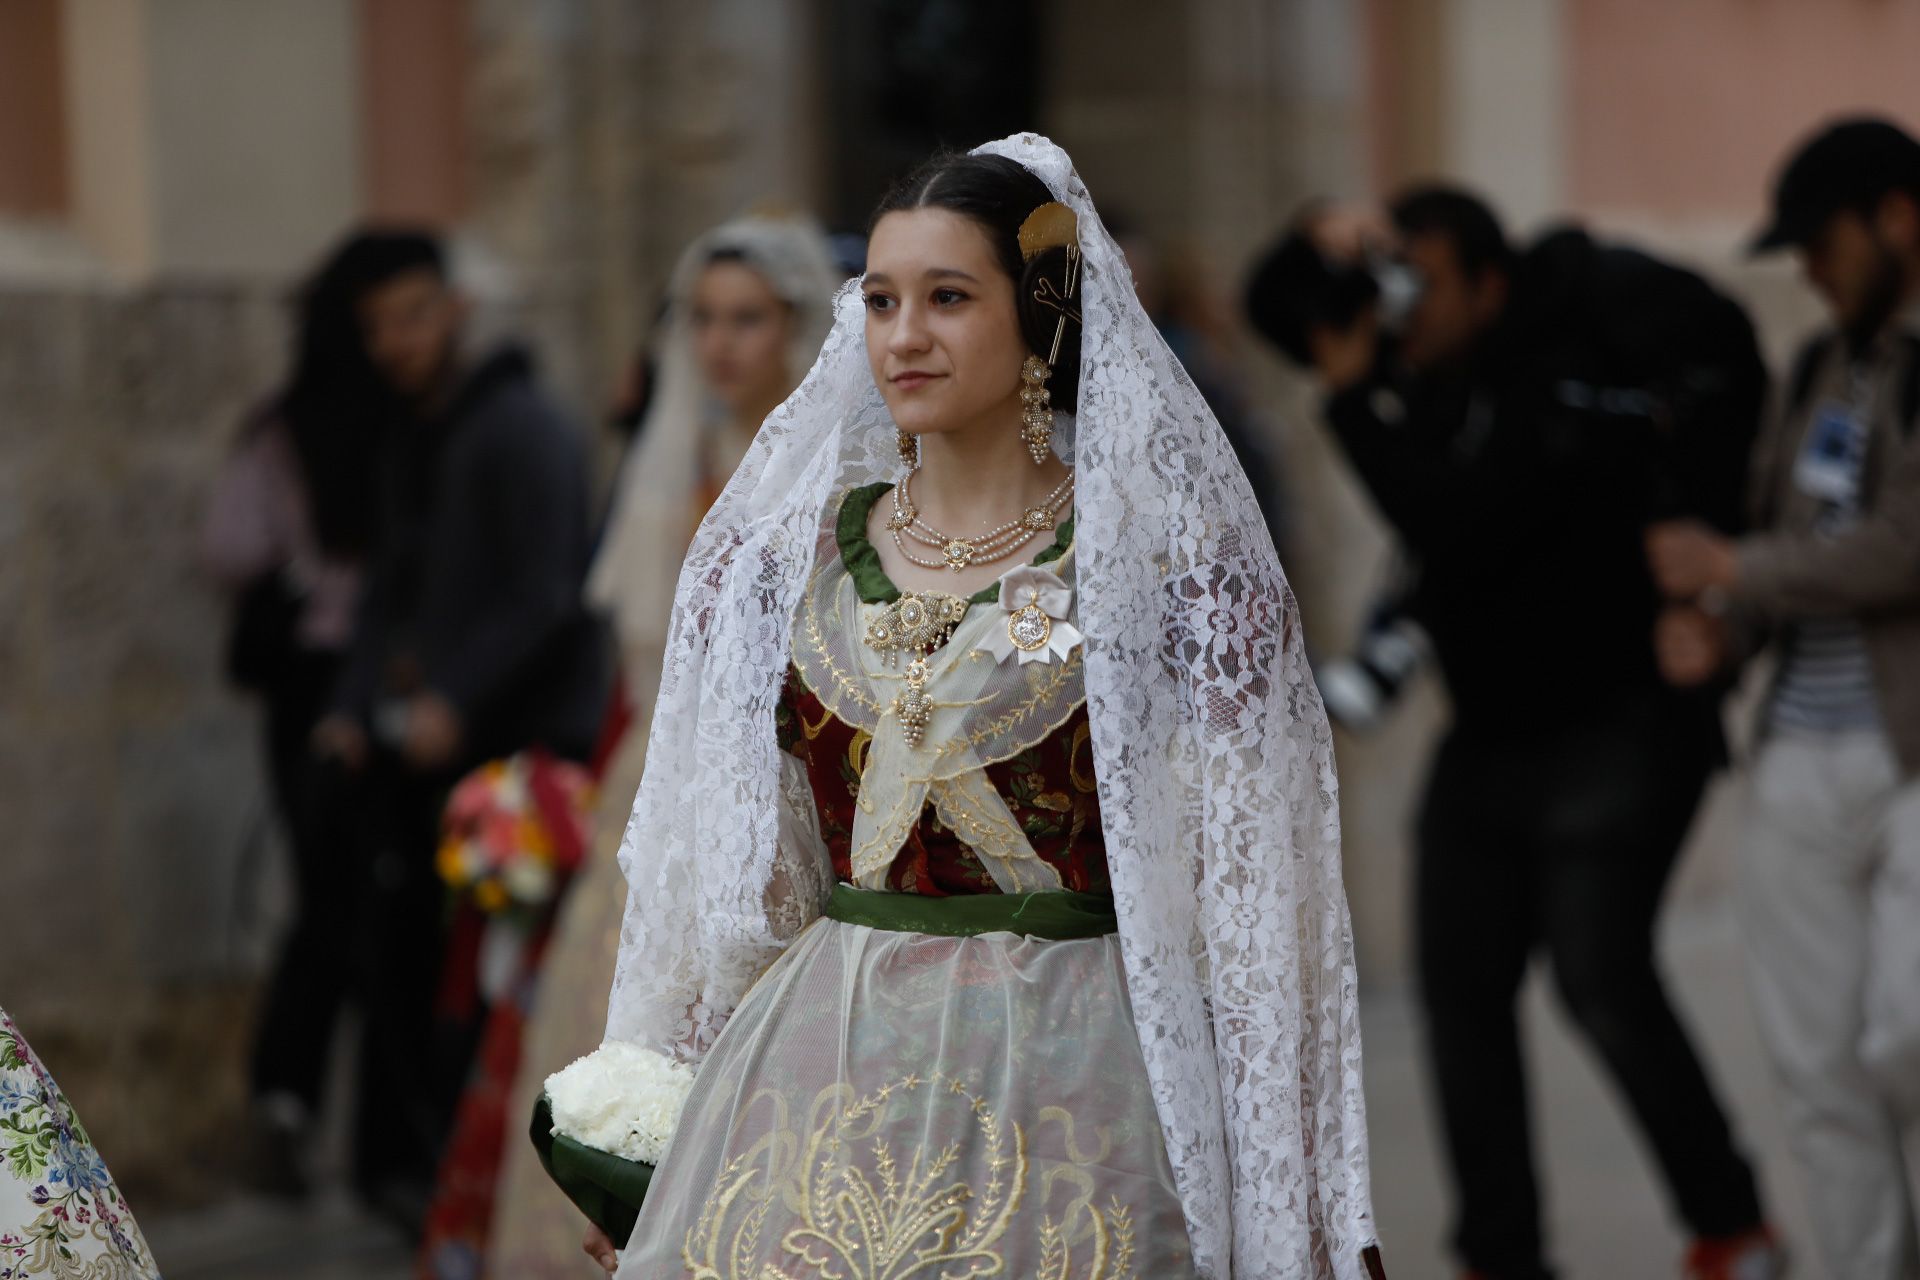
(1051, 226)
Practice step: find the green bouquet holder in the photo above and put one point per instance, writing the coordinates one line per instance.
(605, 1187)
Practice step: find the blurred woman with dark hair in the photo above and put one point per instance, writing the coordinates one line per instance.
(289, 528)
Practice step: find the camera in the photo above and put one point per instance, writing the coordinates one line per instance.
(1296, 287)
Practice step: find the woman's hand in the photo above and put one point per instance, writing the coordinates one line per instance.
(433, 733)
(600, 1248)
(1691, 646)
(1688, 557)
(339, 738)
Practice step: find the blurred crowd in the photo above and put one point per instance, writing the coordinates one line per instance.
(1605, 506)
(1603, 514)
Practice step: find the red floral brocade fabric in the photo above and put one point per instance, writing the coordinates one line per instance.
(1049, 787)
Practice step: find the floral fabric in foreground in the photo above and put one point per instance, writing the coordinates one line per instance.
(60, 1213)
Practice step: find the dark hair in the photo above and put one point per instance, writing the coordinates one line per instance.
(371, 258)
(333, 403)
(1464, 219)
(998, 194)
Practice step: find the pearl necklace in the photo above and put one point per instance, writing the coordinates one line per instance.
(995, 544)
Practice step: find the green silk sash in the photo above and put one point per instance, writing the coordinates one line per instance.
(1055, 915)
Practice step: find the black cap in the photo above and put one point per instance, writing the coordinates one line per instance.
(1847, 165)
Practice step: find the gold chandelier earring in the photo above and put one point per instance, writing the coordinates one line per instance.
(1036, 419)
(1051, 226)
(909, 446)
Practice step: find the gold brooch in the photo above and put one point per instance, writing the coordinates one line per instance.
(1037, 602)
(913, 706)
(1029, 627)
(919, 623)
(916, 623)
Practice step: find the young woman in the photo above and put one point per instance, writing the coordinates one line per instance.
(986, 858)
(289, 530)
(747, 309)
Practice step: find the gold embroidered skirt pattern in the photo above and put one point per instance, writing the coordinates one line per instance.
(900, 1106)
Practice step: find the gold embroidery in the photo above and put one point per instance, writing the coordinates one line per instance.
(972, 715)
(810, 615)
(1083, 781)
(1112, 1246)
(880, 1219)
(814, 730)
(1045, 687)
(857, 751)
(980, 817)
(1023, 710)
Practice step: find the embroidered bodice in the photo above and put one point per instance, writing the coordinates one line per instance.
(1000, 795)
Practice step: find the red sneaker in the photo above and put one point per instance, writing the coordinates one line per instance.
(1753, 1255)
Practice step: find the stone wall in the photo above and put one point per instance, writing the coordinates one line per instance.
(128, 780)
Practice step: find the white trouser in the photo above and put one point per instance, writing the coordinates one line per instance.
(1830, 895)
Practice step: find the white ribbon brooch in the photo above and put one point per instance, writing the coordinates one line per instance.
(1036, 602)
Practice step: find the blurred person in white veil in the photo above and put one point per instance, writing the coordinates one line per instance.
(986, 861)
(748, 306)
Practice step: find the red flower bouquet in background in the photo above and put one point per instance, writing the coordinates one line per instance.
(514, 831)
(513, 834)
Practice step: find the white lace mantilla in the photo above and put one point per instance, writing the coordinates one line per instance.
(1214, 760)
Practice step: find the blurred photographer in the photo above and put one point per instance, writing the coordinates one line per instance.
(1519, 420)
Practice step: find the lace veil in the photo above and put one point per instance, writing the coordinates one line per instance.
(1213, 755)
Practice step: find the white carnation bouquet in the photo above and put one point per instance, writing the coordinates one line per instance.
(621, 1099)
(603, 1124)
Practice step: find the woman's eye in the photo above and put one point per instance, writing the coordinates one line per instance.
(878, 302)
(947, 297)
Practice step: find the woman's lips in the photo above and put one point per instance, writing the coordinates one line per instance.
(912, 380)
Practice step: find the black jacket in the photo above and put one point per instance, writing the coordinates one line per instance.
(1614, 391)
(477, 595)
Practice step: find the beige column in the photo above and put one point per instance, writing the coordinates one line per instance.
(1473, 92)
(1505, 102)
(104, 44)
(210, 136)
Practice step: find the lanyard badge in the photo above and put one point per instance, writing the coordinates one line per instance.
(1833, 455)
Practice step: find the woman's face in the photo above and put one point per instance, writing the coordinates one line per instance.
(942, 337)
(740, 332)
